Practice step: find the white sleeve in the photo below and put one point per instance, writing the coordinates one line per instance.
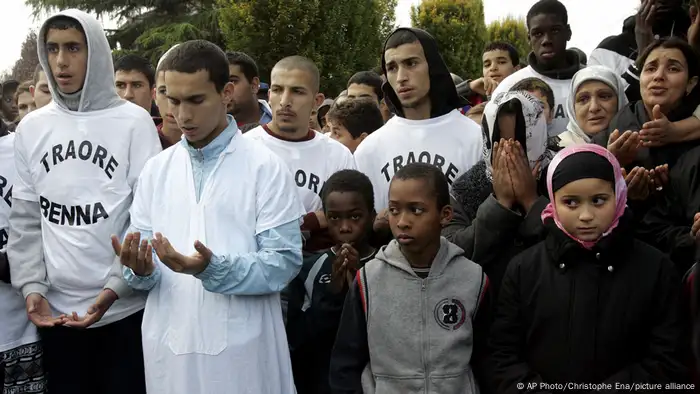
(23, 188)
(277, 200)
(144, 145)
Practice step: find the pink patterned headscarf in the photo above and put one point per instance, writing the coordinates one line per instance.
(620, 188)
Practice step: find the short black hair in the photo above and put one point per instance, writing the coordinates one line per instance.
(349, 181)
(369, 78)
(63, 22)
(197, 55)
(536, 84)
(548, 7)
(432, 176)
(400, 37)
(133, 62)
(360, 115)
(504, 46)
(37, 71)
(246, 63)
(302, 63)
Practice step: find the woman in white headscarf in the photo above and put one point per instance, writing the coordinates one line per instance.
(597, 94)
(497, 203)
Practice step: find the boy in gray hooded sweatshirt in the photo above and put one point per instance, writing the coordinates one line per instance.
(78, 160)
(419, 312)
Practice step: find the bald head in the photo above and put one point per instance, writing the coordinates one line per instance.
(303, 64)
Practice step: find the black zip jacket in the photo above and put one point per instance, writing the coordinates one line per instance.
(313, 316)
(489, 233)
(568, 314)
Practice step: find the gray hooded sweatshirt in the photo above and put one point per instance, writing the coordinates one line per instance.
(419, 333)
(97, 99)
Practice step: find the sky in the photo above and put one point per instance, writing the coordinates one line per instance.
(591, 21)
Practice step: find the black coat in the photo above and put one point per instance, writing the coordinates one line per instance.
(667, 225)
(567, 314)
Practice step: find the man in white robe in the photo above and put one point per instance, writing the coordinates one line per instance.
(223, 217)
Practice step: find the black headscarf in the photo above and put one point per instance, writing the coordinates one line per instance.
(443, 94)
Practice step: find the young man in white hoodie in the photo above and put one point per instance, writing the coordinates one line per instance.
(78, 160)
(222, 214)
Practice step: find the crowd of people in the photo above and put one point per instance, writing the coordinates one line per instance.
(187, 228)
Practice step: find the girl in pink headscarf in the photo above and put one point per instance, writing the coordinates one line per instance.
(590, 304)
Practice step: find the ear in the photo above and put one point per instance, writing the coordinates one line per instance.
(691, 85)
(568, 33)
(319, 99)
(153, 93)
(362, 137)
(227, 93)
(255, 85)
(446, 215)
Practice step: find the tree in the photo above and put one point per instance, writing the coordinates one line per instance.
(23, 69)
(148, 27)
(460, 31)
(511, 30)
(341, 37)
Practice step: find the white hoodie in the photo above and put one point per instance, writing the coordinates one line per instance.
(78, 169)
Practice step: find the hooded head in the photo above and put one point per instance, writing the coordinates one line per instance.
(587, 193)
(73, 48)
(588, 110)
(530, 127)
(417, 76)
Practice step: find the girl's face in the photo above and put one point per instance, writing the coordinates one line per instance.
(586, 208)
(664, 80)
(595, 106)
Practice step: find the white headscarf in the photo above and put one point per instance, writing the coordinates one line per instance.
(535, 128)
(592, 73)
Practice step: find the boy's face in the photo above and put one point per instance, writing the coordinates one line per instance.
(245, 92)
(25, 104)
(548, 36)
(414, 217)
(339, 133)
(9, 109)
(408, 74)
(548, 115)
(169, 122)
(497, 65)
(40, 91)
(357, 90)
(68, 53)
(133, 86)
(349, 217)
(195, 104)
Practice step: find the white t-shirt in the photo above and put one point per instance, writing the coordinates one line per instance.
(15, 328)
(311, 162)
(82, 168)
(451, 142)
(194, 340)
(560, 87)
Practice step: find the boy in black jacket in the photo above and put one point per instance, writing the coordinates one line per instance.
(317, 294)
